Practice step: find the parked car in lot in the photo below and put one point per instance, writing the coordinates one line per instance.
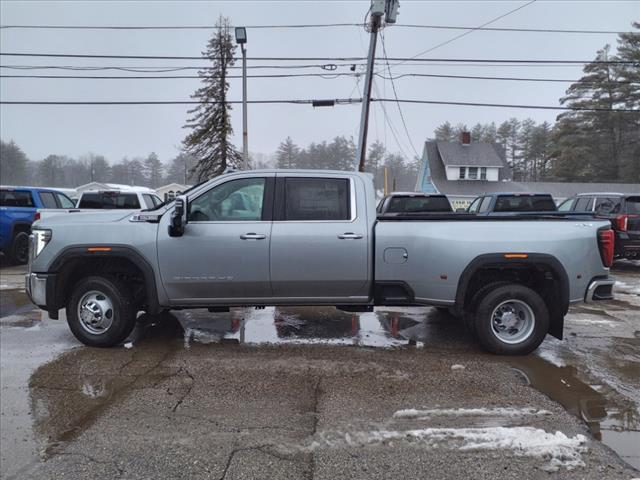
(512, 203)
(18, 210)
(309, 237)
(623, 210)
(414, 202)
(133, 199)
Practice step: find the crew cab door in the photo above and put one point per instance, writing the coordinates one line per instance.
(223, 255)
(319, 239)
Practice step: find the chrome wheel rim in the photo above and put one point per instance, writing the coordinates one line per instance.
(95, 312)
(513, 321)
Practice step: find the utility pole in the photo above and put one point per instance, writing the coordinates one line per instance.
(241, 38)
(378, 8)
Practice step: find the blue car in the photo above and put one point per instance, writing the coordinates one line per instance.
(18, 210)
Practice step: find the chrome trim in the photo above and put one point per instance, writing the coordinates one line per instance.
(588, 298)
(36, 288)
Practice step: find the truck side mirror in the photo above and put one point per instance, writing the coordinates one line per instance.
(178, 217)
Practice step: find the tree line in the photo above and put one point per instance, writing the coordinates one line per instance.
(64, 171)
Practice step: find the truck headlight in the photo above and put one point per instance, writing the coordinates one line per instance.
(40, 239)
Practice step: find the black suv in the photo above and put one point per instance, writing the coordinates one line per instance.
(622, 209)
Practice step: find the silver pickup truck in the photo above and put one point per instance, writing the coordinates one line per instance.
(293, 237)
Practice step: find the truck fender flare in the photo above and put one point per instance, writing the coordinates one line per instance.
(19, 223)
(122, 251)
(499, 260)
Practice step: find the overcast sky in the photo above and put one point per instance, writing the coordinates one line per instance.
(118, 131)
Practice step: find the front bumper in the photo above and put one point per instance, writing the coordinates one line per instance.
(600, 289)
(36, 287)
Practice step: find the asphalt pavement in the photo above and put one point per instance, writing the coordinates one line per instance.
(317, 393)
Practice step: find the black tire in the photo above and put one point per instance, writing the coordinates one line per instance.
(530, 302)
(468, 316)
(20, 248)
(122, 316)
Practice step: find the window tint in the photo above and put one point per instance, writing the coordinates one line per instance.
(316, 199)
(607, 205)
(567, 205)
(418, 205)
(484, 206)
(632, 205)
(236, 200)
(525, 203)
(109, 200)
(473, 208)
(15, 198)
(64, 201)
(584, 204)
(48, 200)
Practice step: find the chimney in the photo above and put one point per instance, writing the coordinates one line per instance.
(465, 138)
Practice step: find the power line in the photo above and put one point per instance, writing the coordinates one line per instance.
(501, 105)
(395, 94)
(453, 39)
(319, 25)
(142, 69)
(328, 76)
(392, 128)
(339, 59)
(339, 101)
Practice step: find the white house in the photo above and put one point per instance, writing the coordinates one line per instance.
(170, 191)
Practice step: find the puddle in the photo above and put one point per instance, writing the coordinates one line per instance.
(610, 418)
(14, 302)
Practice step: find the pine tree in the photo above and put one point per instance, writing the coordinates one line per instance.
(375, 159)
(13, 164)
(444, 133)
(153, 170)
(287, 155)
(209, 140)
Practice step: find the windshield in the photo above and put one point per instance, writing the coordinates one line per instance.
(418, 205)
(525, 203)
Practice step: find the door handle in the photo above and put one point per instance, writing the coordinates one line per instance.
(253, 236)
(350, 236)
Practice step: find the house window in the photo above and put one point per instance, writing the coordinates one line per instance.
(483, 173)
(462, 172)
(473, 173)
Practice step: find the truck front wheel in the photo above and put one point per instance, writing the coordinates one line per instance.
(511, 320)
(100, 311)
(20, 248)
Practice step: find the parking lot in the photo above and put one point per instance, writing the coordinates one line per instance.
(318, 393)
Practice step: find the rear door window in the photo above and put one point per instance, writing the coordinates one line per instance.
(316, 199)
(16, 198)
(48, 200)
(584, 204)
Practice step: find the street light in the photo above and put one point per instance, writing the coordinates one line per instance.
(241, 39)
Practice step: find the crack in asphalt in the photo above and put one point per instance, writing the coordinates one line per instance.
(90, 417)
(189, 388)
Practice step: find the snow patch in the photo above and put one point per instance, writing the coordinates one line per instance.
(128, 345)
(457, 367)
(556, 450)
(479, 412)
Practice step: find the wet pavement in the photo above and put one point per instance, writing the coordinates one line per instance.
(318, 393)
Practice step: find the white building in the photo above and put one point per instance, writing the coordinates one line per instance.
(170, 191)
